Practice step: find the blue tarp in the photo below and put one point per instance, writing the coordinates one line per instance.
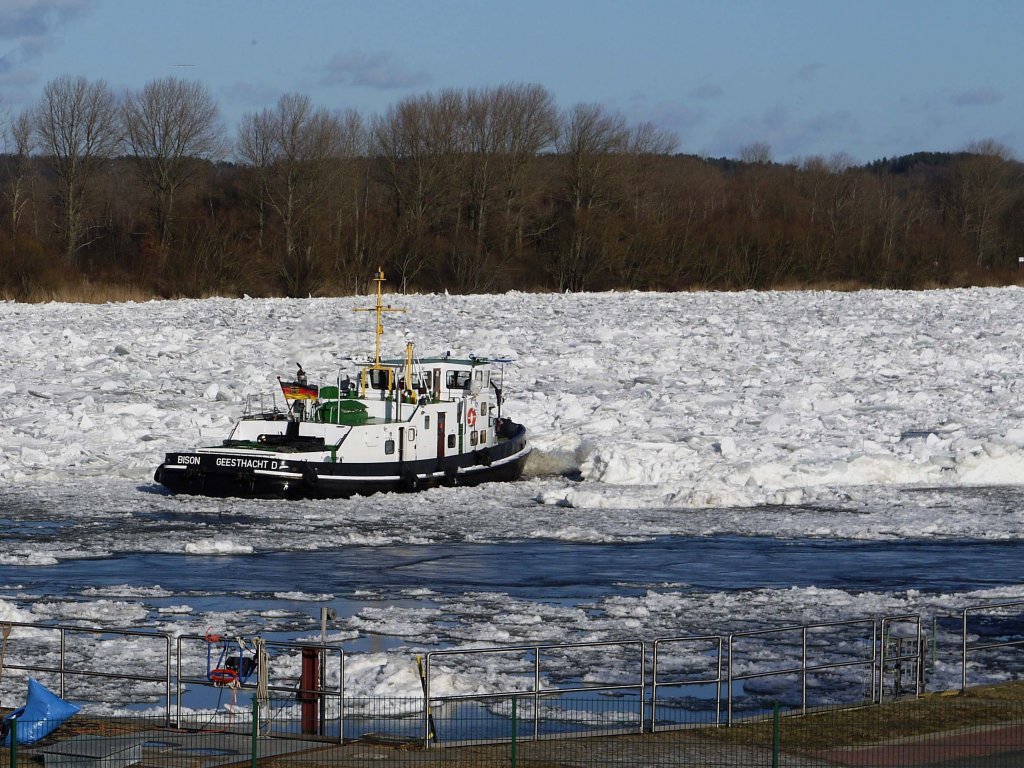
(43, 711)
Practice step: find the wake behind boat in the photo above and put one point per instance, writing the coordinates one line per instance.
(402, 425)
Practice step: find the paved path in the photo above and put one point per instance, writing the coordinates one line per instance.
(978, 747)
(981, 747)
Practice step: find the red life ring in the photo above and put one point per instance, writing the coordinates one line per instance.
(471, 417)
(223, 676)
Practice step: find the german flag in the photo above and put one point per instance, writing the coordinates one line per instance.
(294, 391)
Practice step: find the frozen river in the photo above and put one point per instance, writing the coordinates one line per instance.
(702, 463)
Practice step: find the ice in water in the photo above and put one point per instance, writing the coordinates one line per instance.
(872, 416)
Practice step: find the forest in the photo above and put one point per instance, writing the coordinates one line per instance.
(141, 195)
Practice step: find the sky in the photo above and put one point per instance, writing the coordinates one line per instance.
(867, 78)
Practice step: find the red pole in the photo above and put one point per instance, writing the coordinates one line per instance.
(309, 683)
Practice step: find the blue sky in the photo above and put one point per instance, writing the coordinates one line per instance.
(868, 78)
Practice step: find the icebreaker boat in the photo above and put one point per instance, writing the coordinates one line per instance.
(399, 425)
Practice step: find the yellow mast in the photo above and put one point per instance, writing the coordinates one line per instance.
(380, 309)
(409, 391)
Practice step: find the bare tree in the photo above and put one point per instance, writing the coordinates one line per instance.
(350, 206)
(592, 143)
(293, 150)
(981, 193)
(528, 111)
(647, 147)
(990, 148)
(420, 143)
(76, 125)
(169, 126)
(756, 153)
(591, 140)
(18, 189)
(485, 135)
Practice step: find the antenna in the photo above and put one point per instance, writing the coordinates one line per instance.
(380, 309)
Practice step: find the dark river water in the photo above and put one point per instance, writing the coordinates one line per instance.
(556, 569)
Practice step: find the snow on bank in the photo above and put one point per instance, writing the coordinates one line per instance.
(671, 400)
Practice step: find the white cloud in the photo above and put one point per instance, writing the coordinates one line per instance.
(974, 97)
(809, 71)
(789, 134)
(706, 91)
(28, 29)
(372, 70)
(37, 18)
(251, 94)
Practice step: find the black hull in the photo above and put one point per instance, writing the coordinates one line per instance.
(223, 475)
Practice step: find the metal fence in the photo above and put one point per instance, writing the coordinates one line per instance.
(520, 694)
(319, 690)
(90, 661)
(988, 635)
(543, 702)
(697, 663)
(805, 651)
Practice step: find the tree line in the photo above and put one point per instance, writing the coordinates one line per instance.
(467, 190)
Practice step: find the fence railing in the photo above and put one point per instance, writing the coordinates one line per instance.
(969, 648)
(900, 648)
(90, 657)
(728, 678)
(705, 644)
(532, 662)
(802, 637)
(243, 665)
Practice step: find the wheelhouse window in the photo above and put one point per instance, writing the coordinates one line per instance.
(380, 379)
(458, 379)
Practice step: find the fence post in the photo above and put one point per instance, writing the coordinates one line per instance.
(14, 742)
(255, 731)
(963, 656)
(309, 695)
(776, 736)
(515, 728)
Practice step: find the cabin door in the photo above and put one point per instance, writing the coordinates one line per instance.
(440, 434)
